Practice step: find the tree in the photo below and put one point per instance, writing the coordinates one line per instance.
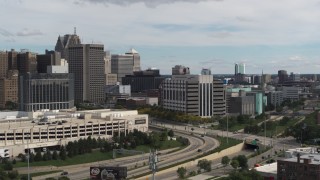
(38, 156)
(24, 177)
(7, 166)
(234, 163)
(225, 160)
(171, 133)
(13, 174)
(243, 161)
(63, 154)
(3, 174)
(182, 171)
(31, 157)
(204, 164)
(55, 155)
(14, 161)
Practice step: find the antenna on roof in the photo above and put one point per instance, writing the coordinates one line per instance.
(75, 31)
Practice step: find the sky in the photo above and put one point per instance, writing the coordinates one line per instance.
(265, 35)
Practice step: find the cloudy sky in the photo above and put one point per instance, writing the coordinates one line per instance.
(266, 35)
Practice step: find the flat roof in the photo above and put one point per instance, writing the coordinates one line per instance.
(268, 168)
(315, 159)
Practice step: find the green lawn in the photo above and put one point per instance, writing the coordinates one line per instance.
(79, 159)
(279, 129)
(224, 144)
(95, 156)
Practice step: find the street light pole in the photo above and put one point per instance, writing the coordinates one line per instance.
(265, 132)
(227, 129)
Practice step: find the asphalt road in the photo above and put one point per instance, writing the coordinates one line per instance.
(82, 171)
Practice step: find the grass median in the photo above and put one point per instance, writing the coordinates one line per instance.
(96, 156)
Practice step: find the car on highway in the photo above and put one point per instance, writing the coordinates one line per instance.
(199, 150)
(64, 173)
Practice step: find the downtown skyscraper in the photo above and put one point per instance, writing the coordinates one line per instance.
(86, 62)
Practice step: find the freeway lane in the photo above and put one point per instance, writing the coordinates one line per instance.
(82, 171)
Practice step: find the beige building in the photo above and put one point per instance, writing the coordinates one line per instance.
(125, 64)
(199, 95)
(58, 128)
(3, 64)
(9, 88)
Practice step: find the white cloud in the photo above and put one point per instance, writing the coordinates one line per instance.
(27, 32)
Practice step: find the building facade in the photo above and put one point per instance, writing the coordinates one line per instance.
(142, 81)
(9, 88)
(125, 64)
(3, 64)
(66, 41)
(241, 105)
(275, 98)
(304, 167)
(180, 70)
(26, 62)
(283, 76)
(86, 62)
(46, 91)
(46, 132)
(115, 92)
(48, 59)
(198, 95)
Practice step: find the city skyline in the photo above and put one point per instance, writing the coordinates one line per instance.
(198, 34)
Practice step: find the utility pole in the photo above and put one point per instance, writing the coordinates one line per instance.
(153, 160)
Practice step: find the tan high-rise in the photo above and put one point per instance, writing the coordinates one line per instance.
(9, 88)
(3, 64)
(86, 62)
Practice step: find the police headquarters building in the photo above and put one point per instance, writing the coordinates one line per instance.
(32, 130)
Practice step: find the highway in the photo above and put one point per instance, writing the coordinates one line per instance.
(166, 158)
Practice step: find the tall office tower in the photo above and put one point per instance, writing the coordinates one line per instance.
(295, 77)
(242, 68)
(205, 71)
(12, 60)
(125, 64)
(9, 88)
(315, 77)
(66, 41)
(283, 76)
(219, 98)
(46, 91)
(180, 70)
(111, 79)
(266, 78)
(26, 62)
(3, 64)
(136, 59)
(48, 59)
(198, 95)
(86, 62)
(236, 68)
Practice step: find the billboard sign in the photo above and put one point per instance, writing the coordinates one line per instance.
(107, 173)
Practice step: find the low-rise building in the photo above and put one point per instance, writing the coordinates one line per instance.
(300, 167)
(58, 128)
